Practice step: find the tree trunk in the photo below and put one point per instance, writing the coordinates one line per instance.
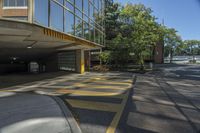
(141, 61)
(193, 57)
(171, 56)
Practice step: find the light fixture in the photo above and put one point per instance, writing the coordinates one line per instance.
(29, 47)
(14, 58)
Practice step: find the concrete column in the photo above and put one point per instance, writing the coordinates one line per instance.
(87, 60)
(80, 62)
(30, 10)
(100, 53)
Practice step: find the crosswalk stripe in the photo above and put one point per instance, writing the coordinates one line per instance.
(91, 105)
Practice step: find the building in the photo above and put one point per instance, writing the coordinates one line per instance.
(49, 35)
(159, 53)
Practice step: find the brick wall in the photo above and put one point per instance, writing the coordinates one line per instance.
(1, 8)
(158, 53)
(12, 12)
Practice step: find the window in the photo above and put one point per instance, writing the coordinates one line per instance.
(79, 4)
(41, 12)
(69, 23)
(70, 6)
(78, 27)
(80, 18)
(91, 12)
(85, 7)
(56, 16)
(96, 3)
(15, 3)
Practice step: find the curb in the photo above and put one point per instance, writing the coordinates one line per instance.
(69, 117)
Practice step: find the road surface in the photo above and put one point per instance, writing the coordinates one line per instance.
(165, 101)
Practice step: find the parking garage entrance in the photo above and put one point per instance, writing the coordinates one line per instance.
(67, 61)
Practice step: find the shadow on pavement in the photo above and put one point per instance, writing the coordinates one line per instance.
(23, 78)
(30, 113)
(90, 120)
(151, 109)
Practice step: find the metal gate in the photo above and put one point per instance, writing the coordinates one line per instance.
(67, 61)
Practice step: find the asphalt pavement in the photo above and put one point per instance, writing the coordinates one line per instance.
(31, 113)
(164, 101)
(96, 100)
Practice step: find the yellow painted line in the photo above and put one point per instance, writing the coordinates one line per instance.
(7, 90)
(100, 78)
(106, 80)
(103, 87)
(88, 93)
(113, 125)
(100, 106)
(112, 83)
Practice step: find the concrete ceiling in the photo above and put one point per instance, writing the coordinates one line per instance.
(15, 38)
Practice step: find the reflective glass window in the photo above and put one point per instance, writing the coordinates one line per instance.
(85, 7)
(15, 3)
(96, 15)
(56, 16)
(78, 13)
(70, 6)
(79, 4)
(91, 33)
(72, 1)
(86, 19)
(96, 3)
(86, 30)
(100, 6)
(78, 27)
(97, 36)
(69, 22)
(60, 1)
(91, 1)
(41, 12)
(82, 18)
(91, 12)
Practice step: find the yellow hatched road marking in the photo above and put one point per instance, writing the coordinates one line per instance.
(7, 90)
(112, 83)
(112, 127)
(101, 106)
(103, 87)
(91, 93)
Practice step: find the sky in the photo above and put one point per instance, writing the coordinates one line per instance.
(183, 15)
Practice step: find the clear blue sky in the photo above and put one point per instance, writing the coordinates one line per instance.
(183, 15)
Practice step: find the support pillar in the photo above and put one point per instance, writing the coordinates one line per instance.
(100, 53)
(87, 60)
(80, 61)
(30, 10)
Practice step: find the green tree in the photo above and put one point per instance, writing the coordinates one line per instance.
(172, 42)
(105, 57)
(143, 31)
(193, 46)
(111, 19)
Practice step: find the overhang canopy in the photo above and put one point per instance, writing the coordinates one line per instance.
(26, 40)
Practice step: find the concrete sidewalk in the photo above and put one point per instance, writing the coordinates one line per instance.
(31, 113)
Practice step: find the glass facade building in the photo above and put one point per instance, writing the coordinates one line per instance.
(56, 34)
(79, 18)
